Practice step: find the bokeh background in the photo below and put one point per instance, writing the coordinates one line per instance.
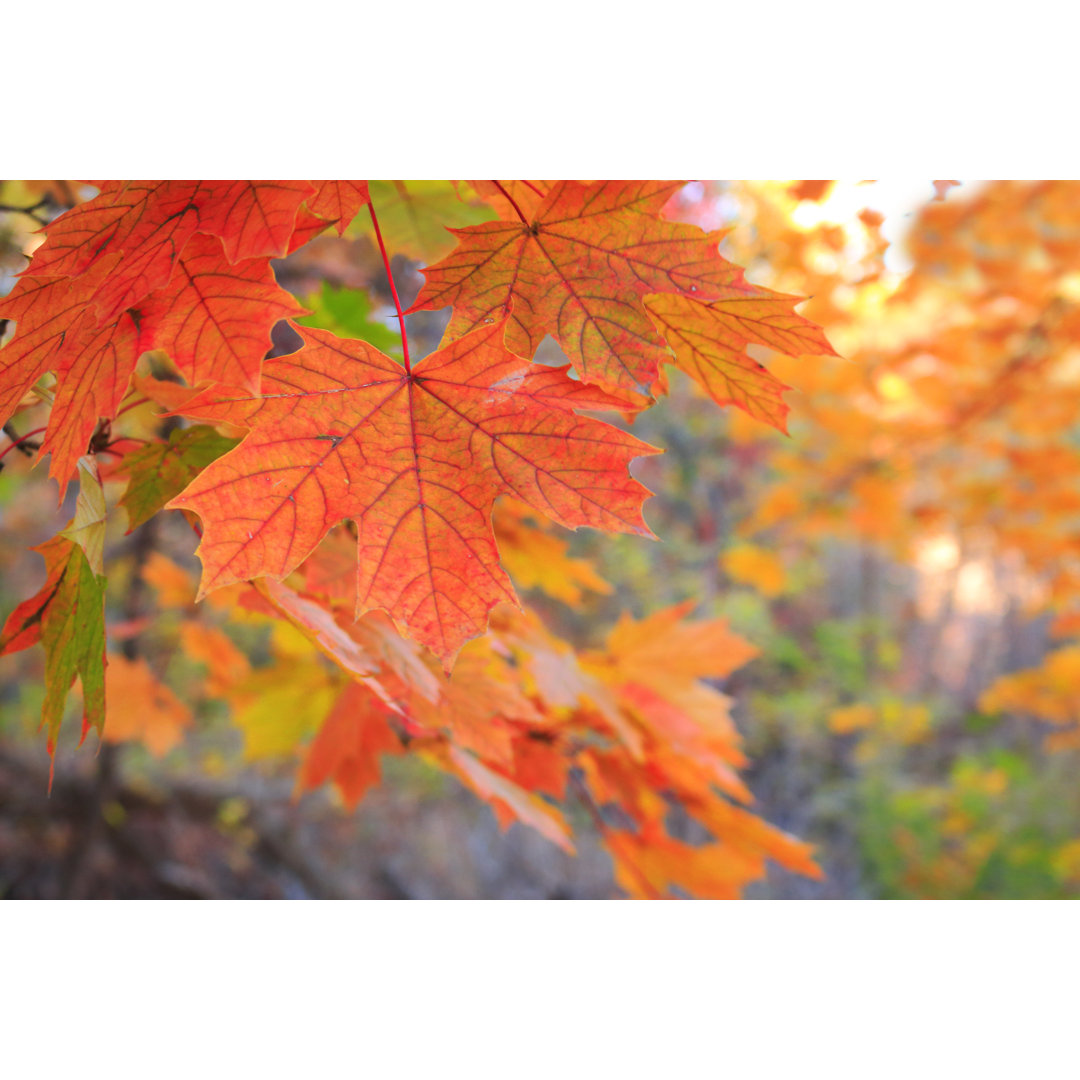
(907, 561)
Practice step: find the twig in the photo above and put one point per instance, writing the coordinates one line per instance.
(20, 442)
(43, 203)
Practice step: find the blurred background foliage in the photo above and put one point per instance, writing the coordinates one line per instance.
(907, 562)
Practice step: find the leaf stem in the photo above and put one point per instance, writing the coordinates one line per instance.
(393, 288)
(29, 211)
(510, 199)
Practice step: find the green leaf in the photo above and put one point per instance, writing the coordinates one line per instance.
(415, 214)
(159, 472)
(87, 528)
(347, 313)
(67, 615)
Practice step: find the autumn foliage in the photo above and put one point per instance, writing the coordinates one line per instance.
(944, 449)
(372, 511)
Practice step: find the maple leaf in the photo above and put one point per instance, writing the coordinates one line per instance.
(214, 317)
(579, 270)
(87, 527)
(511, 802)
(141, 708)
(513, 199)
(137, 244)
(338, 201)
(647, 866)
(322, 630)
(475, 705)
(537, 560)
(158, 472)
(417, 216)
(211, 646)
(416, 460)
(348, 746)
(56, 330)
(709, 342)
(664, 650)
(151, 222)
(147, 223)
(67, 615)
(92, 378)
(252, 217)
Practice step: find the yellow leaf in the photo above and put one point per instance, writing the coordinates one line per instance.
(851, 718)
(751, 565)
(280, 706)
(537, 560)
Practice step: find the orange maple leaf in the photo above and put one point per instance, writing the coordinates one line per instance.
(475, 706)
(57, 330)
(209, 302)
(512, 199)
(142, 709)
(338, 201)
(580, 266)
(214, 317)
(709, 342)
(578, 270)
(509, 801)
(150, 222)
(416, 459)
(348, 746)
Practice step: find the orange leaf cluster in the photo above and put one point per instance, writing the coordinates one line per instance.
(180, 266)
(356, 512)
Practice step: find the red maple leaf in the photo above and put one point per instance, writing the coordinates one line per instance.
(151, 222)
(417, 460)
(214, 317)
(338, 201)
(134, 253)
(348, 746)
